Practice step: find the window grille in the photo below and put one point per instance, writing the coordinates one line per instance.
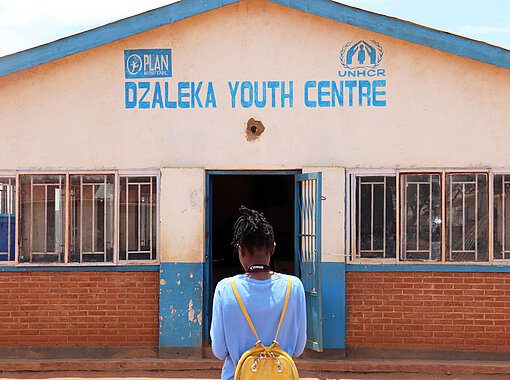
(138, 200)
(421, 217)
(375, 217)
(7, 218)
(467, 217)
(42, 222)
(501, 215)
(91, 218)
(73, 218)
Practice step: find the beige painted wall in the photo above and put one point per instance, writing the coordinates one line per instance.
(333, 206)
(182, 215)
(442, 110)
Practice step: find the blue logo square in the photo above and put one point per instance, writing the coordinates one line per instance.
(148, 63)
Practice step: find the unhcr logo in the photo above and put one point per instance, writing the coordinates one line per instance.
(361, 77)
(361, 59)
(361, 55)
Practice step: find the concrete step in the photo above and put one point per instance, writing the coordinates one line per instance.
(338, 365)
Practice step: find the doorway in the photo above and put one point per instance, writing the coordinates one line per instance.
(273, 194)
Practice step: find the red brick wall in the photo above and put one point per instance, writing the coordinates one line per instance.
(442, 311)
(79, 309)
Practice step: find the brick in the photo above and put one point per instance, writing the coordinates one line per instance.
(466, 311)
(47, 309)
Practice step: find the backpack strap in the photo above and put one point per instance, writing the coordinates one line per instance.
(287, 296)
(248, 319)
(241, 304)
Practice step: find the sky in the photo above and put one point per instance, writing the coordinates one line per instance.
(28, 23)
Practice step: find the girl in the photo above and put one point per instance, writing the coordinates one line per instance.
(263, 294)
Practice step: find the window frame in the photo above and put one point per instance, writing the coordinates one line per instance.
(351, 228)
(493, 172)
(67, 224)
(12, 175)
(134, 173)
(400, 212)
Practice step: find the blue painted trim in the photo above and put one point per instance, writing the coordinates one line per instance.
(123, 268)
(314, 306)
(427, 268)
(207, 262)
(188, 8)
(107, 33)
(403, 30)
(253, 172)
(297, 224)
(347, 216)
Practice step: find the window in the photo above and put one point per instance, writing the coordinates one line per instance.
(421, 217)
(442, 216)
(42, 221)
(375, 213)
(138, 216)
(467, 217)
(75, 218)
(501, 215)
(7, 218)
(91, 218)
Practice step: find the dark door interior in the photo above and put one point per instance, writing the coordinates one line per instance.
(269, 193)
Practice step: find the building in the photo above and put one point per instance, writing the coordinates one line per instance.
(378, 148)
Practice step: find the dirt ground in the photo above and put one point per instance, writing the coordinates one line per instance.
(214, 375)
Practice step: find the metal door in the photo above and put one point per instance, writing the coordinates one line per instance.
(307, 219)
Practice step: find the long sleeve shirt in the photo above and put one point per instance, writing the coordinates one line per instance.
(230, 333)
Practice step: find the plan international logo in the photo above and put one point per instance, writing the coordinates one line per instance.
(148, 63)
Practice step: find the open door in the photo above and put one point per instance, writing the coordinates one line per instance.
(307, 217)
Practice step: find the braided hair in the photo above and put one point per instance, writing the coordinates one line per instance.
(252, 230)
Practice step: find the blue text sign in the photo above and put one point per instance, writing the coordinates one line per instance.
(148, 63)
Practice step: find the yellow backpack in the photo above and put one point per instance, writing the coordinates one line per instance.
(263, 362)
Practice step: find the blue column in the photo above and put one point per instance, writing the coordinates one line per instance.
(333, 304)
(180, 305)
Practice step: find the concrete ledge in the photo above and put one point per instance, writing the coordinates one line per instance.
(346, 365)
(77, 353)
(407, 366)
(108, 365)
(409, 354)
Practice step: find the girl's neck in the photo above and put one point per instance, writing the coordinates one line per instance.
(261, 275)
(257, 257)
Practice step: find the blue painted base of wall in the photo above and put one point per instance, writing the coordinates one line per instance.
(181, 313)
(423, 267)
(180, 305)
(333, 305)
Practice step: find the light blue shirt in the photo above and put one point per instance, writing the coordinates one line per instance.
(230, 333)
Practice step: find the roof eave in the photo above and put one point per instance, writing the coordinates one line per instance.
(377, 23)
(403, 30)
(107, 33)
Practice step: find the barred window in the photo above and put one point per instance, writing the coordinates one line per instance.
(73, 218)
(91, 218)
(138, 216)
(501, 215)
(7, 219)
(375, 216)
(42, 222)
(443, 216)
(467, 217)
(421, 217)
